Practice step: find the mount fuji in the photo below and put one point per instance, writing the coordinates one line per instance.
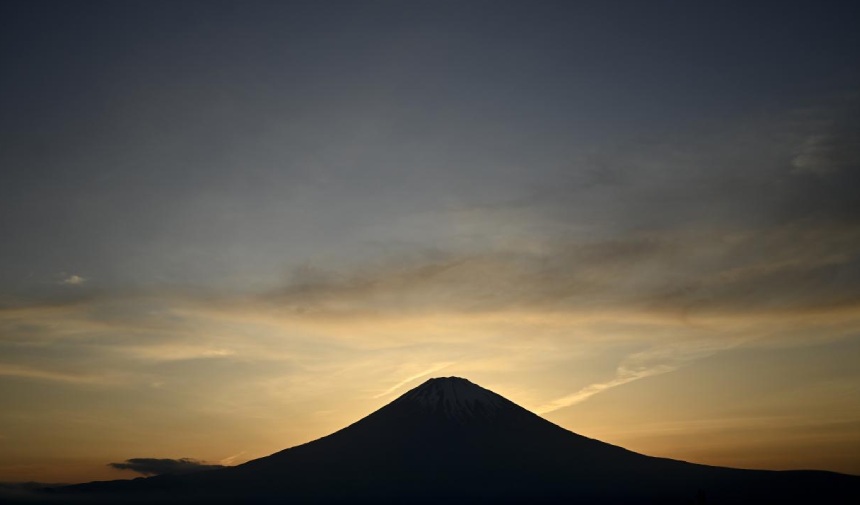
(451, 441)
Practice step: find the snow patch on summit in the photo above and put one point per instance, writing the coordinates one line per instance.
(456, 397)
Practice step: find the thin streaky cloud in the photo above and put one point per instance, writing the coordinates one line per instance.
(37, 373)
(641, 365)
(230, 459)
(593, 389)
(402, 383)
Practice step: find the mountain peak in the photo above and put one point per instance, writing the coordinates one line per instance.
(454, 397)
(452, 441)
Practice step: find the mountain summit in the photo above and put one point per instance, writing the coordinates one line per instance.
(452, 441)
(455, 398)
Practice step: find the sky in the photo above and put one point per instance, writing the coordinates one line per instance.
(228, 228)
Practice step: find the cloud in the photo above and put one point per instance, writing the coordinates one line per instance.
(587, 392)
(230, 459)
(164, 466)
(434, 368)
(814, 156)
(73, 280)
(656, 361)
(12, 370)
(830, 145)
(727, 269)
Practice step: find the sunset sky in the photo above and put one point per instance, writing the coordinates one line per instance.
(227, 228)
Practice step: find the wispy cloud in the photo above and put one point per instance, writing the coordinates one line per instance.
(12, 370)
(622, 377)
(230, 459)
(728, 269)
(73, 280)
(656, 361)
(434, 368)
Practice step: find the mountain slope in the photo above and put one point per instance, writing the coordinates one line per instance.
(451, 440)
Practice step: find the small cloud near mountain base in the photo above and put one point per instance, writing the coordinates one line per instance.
(162, 466)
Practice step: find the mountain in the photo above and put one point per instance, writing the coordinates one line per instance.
(451, 441)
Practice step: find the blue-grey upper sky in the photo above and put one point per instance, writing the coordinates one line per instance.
(199, 142)
(560, 198)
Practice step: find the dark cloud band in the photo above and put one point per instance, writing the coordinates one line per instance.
(163, 466)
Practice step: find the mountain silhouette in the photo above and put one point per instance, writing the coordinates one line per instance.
(451, 441)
